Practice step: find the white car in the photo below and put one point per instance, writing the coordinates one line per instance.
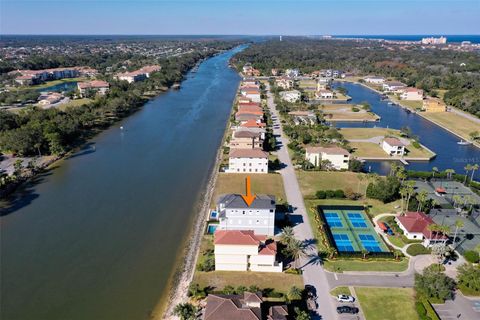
(345, 298)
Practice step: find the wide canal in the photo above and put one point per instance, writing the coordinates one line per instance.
(99, 237)
(450, 155)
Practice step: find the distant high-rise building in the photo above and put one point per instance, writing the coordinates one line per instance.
(433, 40)
(280, 38)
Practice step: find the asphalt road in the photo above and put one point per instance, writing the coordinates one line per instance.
(313, 272)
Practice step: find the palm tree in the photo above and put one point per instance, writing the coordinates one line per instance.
(445, 230)
(403, 193)
(474, 168)
(422, 197)
(458, 224)
(449, 173)
(397, 254)
(409, 185)
(456, 200)
(434, 170)
(296, 250)
(467, 168)
(433, 231)
(295, 293)
(287, 236)
(364, 253)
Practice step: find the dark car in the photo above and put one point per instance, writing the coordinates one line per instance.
(347, 309)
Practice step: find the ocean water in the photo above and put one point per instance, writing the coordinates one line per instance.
(450, 38)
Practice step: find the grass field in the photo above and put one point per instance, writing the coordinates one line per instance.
(454, 122)
(340, 290)
(340, 265)
(53, 83)
(408, 103)
(343, 112)
(367, 133)
(281, 282)
(312, 181)
(271, 183)
(75, 103)
(399, 303)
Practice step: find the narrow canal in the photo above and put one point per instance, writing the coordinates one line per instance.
(99, 236)
(450, 155)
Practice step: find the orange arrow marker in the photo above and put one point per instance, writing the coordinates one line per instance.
(249, 197)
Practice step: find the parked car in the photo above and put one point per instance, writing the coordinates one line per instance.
(345, 298)
(347, 309)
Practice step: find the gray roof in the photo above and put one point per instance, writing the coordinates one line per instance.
(235, 201)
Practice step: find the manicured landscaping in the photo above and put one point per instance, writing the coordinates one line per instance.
(372, 150)
(398, 303)
(367, 133)
(417, 249)
(271, 183)
(340, 265)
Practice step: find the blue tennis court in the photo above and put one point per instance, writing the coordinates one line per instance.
(369, 243)
(342, 242)
(357, 220)
(333, 220)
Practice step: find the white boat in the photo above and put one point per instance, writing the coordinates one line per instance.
(464, 143)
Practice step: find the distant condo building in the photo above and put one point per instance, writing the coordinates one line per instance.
(432, 40)
(30, 77)
(138, 75)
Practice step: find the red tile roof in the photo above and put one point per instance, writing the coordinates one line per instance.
(237, 237)
(248, 153)
(419, 222)
(253, 124)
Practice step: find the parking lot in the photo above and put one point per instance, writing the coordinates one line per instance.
(460, 308)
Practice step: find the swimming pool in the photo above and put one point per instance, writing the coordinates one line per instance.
(211, 228)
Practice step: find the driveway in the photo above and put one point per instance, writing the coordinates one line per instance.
(313, 273)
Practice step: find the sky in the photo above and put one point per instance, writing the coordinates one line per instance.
(252, 17)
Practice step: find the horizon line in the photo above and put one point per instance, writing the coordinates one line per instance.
(215, 34)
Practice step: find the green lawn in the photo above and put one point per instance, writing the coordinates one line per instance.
(340, 265)
(75, 103)
(366, 133)
(271, 183)
(340, 290)
(281, 282)
(398, 303)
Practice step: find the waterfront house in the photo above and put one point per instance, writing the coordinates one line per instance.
(252, 123)
(258, 130)
(235, 214)
(393, 86)
(324, 94)
(251, 93)
(393, 147)
(303, 117)
(434, 105)
(246, 306)
(410, 93)
(250, 82)
(416, 226)
(243, 250)
(250, 108)
(247, 160)
(290, 96)
(244, 117)
(245, 139)
(339, 158)
(98, 86)
(374, 80)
